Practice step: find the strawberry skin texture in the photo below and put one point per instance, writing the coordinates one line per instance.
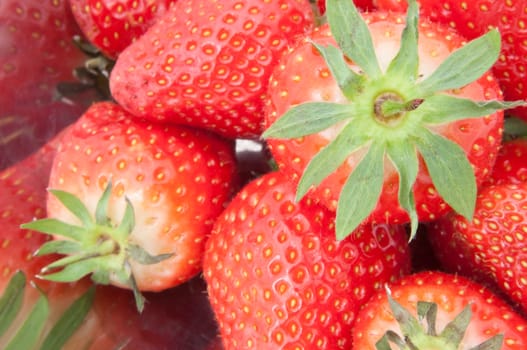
(511, 163)
(177, 180)
(303, 76)
(474, 18)
(492, 247)
(37, 52)
(206, 63)
(490, 314)
(113, 25)
(278, 278)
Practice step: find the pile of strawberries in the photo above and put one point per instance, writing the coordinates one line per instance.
(263, 174)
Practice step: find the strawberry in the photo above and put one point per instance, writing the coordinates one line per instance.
(206, 63)
(132, 202)
(474, 18)
(38, 53)
(491, 247)
(511, 163)
(436, 310)
(400, 126)
(365, 5)
(113, 25)
(22, 198)
(277, 277)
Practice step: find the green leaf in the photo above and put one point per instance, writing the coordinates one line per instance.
(515, 127)
(128, 222)
(74, 268)
(29, 333)
(428, 311)
(140, 255)
(308, 118)
(59, 247)
(464, 65)
(455, 330)
(361, 191)
(330, 158)
(51, 226)
(450, 171)
(75, 206)
(406, 63)
(494, 343)
(69, 322)
(404, 157)
(139, 298)
(407, 322)
(101, 211)
(439, 108)
(11, 300)
(353, 35)
(349, 82)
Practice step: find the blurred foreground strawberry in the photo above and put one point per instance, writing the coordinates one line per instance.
(39, 93)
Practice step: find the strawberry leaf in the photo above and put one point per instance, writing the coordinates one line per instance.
(353, 36)
(60, 247)
(75, 206)
(406, 62)
(330, 158)
(464, 65)
(308, 118)
(404, 158)
(69, 322)
(438, 109)
(28, 334)
(349, 82)
(51, 226)
(11, 300)
(361, 191)
(450, 171)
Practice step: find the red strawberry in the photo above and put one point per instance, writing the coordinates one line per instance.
(391, 136)
(277, 277)
(113, 25)
(37, 53)
(511, 163)
(465, 313)
(472, 19)
(135, 200)
(365, 5)
(491, 247)
(207, 63)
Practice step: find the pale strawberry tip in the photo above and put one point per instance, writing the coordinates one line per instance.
(390, 117)
(421, 333)
(98, 247)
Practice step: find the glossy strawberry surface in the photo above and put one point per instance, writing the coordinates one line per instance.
(278, 278)
(207, 63)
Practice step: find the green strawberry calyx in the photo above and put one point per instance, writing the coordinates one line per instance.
(32, 332)
(97, 247)
(391, 117)
(420, 333)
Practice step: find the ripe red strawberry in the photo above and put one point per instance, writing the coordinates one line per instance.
(472, 19)
(113, 25)
(277, 277)
(490, 248)
(37, 53)
(132, 202)
(392, 132)
(207, 63)
(474, 316)
(511, 163)
(365, 5)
